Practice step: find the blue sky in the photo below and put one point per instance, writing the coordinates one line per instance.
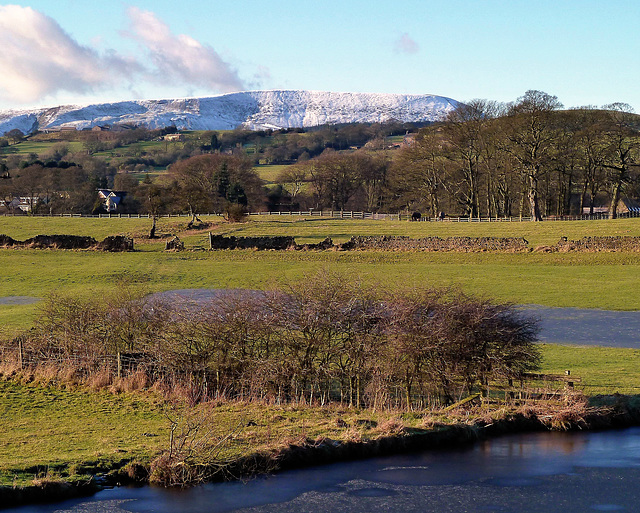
(75, 51)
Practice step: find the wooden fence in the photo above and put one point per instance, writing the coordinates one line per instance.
(536, 387)
(349, 214)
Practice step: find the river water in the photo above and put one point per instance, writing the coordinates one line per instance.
(589, 327)
(536, 472)
(558, 325)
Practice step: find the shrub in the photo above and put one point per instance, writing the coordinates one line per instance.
(235, 213)
(323, 339)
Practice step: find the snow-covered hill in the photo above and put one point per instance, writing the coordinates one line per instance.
(253, 109)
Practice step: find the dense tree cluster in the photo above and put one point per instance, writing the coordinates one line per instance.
(528, 158)
(337, 180)
(210, 183)
(53, 185)
(326, 339)
(486, 159)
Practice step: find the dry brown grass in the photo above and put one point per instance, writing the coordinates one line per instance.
(99, 380)
(48, 479)
(391, 426)
(9, 368)
(46, 373)
(134, 382)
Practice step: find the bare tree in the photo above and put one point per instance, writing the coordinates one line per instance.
(531, 134)
(621, 151)
(417, 176)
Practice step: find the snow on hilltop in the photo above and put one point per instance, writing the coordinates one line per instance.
(253, 110)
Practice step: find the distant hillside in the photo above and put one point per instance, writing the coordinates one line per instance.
(255, 110)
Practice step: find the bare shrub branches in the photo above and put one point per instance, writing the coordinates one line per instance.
(323, 339)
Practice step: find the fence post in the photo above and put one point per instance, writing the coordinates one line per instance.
(20, 353)
(119, 365)
(210, 240)
(569, 383)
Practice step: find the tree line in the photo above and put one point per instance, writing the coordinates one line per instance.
(327, 339)
(528, 158)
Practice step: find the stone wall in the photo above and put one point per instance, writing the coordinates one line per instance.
(60, 242)
(597, 244)
(381, 243)
(458, 244)
(114, 243)
(260, 243)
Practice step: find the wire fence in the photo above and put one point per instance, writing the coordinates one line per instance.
(202, 383)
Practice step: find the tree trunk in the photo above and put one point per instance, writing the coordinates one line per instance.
(583, 197)
(152, 232)
(534, 204)
(615, 199)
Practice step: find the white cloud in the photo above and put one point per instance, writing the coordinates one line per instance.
(180, 57)
(39, 59)
(405, 44)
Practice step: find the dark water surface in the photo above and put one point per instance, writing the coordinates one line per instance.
(541, 472)
(589, 327)
(18, 300)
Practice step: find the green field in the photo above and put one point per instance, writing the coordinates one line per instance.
(48, 428)
(79, 431)
(269, 173)
(39, 148)
(314, 229)
(587, 280)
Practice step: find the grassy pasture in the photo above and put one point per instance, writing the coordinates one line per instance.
(153, 175)
(588, 280)
(269, 173)
(604, 370)
(40, 148)
(73, 432)
(53, 428)
(138, 147)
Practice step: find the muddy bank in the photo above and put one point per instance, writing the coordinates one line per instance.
(50, 491)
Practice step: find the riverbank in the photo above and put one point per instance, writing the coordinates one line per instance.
(345, 435)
